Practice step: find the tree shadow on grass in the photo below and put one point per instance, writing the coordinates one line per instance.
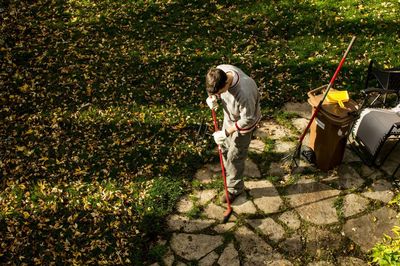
(99, 147)
(84, 236)
(150, 54)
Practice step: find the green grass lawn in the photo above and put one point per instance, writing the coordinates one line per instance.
(101, 102)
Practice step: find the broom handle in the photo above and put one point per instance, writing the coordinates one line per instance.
(221, 160)
(326, 91)
(215, 120)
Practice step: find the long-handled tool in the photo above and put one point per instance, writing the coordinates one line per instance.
(296, 153)
(229, 210)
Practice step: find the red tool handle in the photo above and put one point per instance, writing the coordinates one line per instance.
(221, 161)
(326, 91)
(214, 115)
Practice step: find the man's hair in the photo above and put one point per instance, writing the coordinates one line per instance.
(215, 80)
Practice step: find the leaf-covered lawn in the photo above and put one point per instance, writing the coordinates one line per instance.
(101, 103)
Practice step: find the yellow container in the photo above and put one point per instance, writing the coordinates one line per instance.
(338, 97)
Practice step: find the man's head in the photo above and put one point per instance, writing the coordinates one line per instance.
(215, 80)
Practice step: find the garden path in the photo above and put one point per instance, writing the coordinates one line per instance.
(307, 217)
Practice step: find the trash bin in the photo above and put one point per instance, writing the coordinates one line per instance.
(330, 129)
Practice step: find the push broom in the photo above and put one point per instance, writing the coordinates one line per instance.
(296, 153)
(229, 210)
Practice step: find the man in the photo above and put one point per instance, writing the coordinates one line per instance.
(240, 101)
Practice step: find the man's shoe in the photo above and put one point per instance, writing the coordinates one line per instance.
(232, 197)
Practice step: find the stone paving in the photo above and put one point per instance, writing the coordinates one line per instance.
(304, 217)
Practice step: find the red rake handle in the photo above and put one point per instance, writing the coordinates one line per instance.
(214, 115)
(338, 69)
(326, 91)
(221, 161)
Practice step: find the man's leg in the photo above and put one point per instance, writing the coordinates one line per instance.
(235, 154)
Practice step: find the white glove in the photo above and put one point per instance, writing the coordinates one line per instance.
(212, 102)
(219, 137)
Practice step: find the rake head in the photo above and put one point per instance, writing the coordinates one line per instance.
(290, 160)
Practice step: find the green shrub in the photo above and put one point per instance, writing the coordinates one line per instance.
(388, 252)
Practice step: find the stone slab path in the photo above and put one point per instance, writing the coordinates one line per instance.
(305, 217)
